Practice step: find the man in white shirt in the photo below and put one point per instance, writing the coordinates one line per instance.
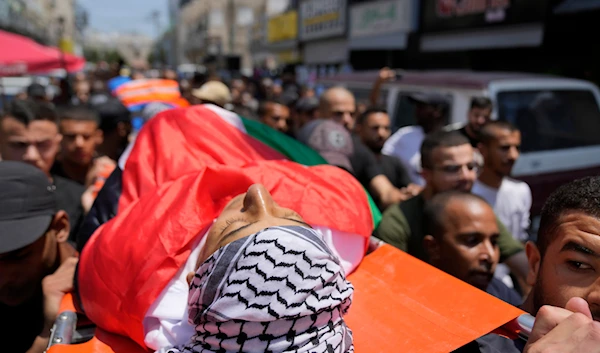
(499, 145)
(405, 143)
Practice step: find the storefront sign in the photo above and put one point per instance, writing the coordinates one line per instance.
(322, 19)
(282, 27)
(380, 17)
(442, 15)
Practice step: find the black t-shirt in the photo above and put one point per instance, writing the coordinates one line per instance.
(57, 170)
(394, 170)
(493, 344)
(498, 289)
(364, 163)
(472, 141)
(68, 198)
(20, 325)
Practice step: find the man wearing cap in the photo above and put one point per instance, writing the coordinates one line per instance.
(213, 92)
(406, 142)
(36, 262)
(37, 92)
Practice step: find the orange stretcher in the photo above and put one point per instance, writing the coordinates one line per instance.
(400, 304)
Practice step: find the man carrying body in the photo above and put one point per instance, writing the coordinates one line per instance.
(462, 240)
(404, 144)
(448, 164)
(338, 104)
(36, 262)
(275, 114)
(563, 273)
(29, 133)
(511, 199)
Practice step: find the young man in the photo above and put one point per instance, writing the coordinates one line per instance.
(115, 123)
(563, 273)
(448, 164)
(276, 115)
(29, 133)
(404, 144)
(479, 114)
(79, 127)
(374, 128)
(36, 262)
(511, 199)
(338, 104)
(462, 240)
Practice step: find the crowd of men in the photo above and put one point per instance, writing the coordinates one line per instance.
(447, 197)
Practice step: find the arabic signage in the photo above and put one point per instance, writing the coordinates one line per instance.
(322, 19)
(282, 27)
(442, 15)
(380, 17)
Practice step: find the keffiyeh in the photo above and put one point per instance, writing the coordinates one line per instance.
(281, 289)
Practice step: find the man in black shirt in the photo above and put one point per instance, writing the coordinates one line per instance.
(479, 114)
(374, 128)
(36, 261)
(29, 133)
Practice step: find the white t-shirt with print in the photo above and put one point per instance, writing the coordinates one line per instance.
(405, 144)
(511, 203)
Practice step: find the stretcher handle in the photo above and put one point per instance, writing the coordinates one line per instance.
(63, 329)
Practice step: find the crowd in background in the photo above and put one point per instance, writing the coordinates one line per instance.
(446, 196)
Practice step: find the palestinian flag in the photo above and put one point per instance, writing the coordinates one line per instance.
(188, 163)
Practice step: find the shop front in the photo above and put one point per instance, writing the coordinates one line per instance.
(282, 38)
(379, 32)
(323, 26)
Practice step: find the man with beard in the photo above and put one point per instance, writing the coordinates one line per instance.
(479, 114)
(564, 268)
(462, 240)
(36, 261)
(374, 128)
(511, 199)
(448, 163)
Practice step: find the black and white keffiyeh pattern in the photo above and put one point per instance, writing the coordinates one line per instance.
(279, 290)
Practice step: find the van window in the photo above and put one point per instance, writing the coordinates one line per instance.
(362, 95)
(552, 119)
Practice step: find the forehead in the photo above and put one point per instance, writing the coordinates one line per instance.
(12, 126)
(378, 118)
(469, 215)
(578, 227)
(502, 134)
(71, 125)
(462, 154)
(337, 98)
(278, 109)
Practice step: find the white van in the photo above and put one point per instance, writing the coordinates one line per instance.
(559, 117)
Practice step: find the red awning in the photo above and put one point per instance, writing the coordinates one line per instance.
(21, 56)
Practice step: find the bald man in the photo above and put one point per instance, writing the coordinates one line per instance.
(338, 104)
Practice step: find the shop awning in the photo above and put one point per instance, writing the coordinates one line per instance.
(572, 6)
(23, 56)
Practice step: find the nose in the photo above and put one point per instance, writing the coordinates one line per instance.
(593, 297)
(348, 120)
(31, 154)
(513, 154)
(79, 141)
(282, 125)
(258, 202)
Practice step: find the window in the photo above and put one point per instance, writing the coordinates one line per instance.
(552, 119)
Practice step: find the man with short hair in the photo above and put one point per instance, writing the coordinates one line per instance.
(79, 127)
(511, 199)
(480, 113)
(29, 133)
(338, 104)
(275, 114)
(36, 261)
(462, 240)
(404, 144)
(448, 164)
(563, 273)
(115, 123)
(374, 128)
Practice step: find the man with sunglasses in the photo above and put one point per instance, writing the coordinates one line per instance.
(447, 161)
(37, 264)
(29, 133)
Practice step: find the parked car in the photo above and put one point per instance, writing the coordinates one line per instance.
(559, 117)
